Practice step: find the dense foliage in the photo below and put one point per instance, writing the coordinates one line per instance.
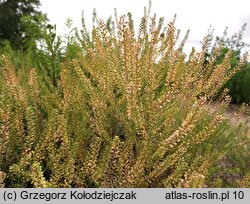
(239, 84)
(16, 19)
(119, 109)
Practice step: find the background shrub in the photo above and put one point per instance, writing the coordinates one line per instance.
(238, 84)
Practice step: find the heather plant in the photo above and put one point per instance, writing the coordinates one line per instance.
(126, 110)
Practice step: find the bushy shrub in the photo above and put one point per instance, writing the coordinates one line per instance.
(239, 86)
(129, 111)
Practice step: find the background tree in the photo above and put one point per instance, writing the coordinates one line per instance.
(15, 17)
